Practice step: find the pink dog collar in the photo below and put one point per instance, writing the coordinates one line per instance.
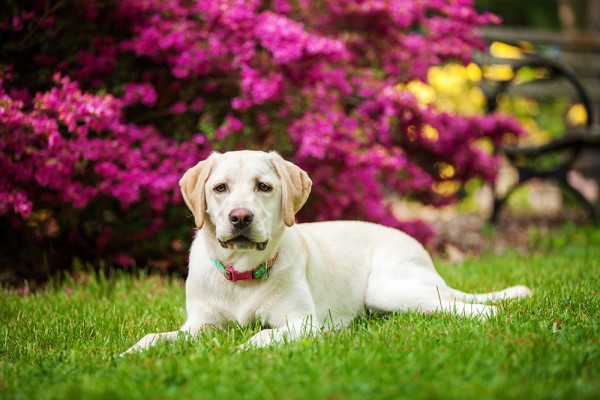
(231, 274)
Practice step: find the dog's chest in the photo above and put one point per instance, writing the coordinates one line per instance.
(241, 302)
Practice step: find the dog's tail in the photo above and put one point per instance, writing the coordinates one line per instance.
(508, 293)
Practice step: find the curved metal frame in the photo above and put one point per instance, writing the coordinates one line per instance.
(559, 174)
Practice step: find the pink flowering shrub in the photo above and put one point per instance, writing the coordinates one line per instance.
(104, 105)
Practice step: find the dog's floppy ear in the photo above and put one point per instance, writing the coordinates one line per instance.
(192, 188)
(295, 187)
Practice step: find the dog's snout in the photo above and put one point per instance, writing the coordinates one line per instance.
(240, 218)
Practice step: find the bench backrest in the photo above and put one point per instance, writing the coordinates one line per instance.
(578, 51)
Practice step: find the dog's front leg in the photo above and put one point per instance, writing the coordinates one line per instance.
(293, 330)
(150, 340)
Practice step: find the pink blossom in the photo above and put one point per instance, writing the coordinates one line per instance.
(143, 93)
(140, 90)
(197, 105)
(178, 108)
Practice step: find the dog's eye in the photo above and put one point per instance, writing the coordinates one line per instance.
(263, 187)
(220, 188)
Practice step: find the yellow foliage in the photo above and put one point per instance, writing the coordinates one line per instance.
(536, 135)
(451, 88)
(526, 105)
(476, 96)
(498, 72)
(485, 144)
(446, 188)
(474, 72)
(431, 133)
(38, 217)
(577, 115)
(504, 50)
(424, 93)
(445, 170)
(454, 88)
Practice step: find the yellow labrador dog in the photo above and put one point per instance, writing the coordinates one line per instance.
(250, 262)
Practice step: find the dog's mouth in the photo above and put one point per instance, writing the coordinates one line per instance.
(243, 243)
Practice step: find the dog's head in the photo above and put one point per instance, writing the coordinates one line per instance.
(245, 196)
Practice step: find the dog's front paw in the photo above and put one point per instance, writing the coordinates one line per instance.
(264, 338)
(147, 341)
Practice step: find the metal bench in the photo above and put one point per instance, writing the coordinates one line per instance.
(548, 79)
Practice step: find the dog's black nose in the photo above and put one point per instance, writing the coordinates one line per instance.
(240, 218)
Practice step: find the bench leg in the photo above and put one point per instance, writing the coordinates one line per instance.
(500, 202)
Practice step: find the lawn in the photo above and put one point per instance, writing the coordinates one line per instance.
(64, 342)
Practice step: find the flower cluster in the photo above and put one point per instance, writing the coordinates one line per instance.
(68, 146)
(153, 85)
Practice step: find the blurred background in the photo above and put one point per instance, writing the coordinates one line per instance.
(548, 103)
(417, 115)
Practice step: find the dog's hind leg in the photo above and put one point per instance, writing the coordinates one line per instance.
(508, 293)
(388, 295)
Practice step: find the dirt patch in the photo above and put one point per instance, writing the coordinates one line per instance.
(462, 235)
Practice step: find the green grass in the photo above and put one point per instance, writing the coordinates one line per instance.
(63, 342)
